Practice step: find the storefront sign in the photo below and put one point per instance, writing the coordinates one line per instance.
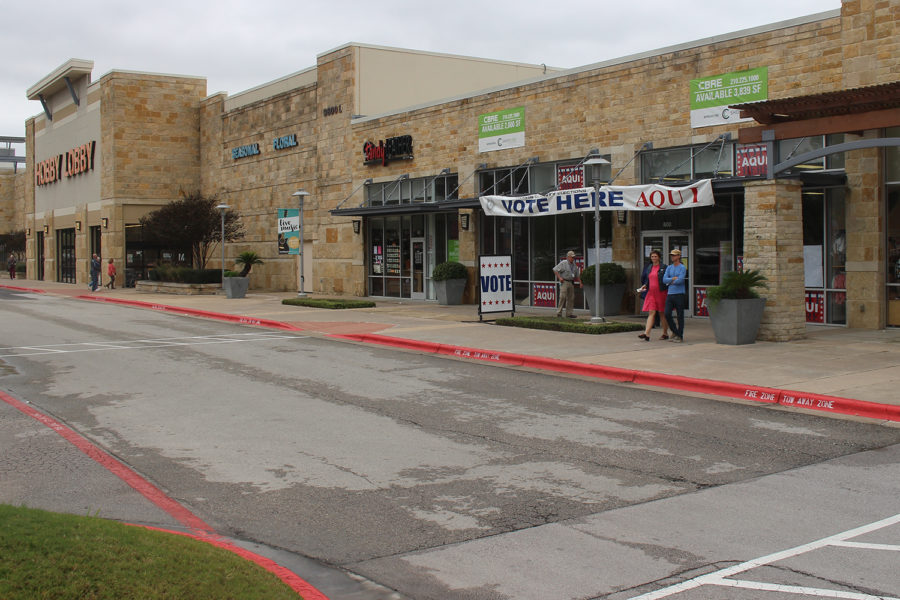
(607, 197)
(501, 129)
(244, 151)
(815, 306)
(570, 177)
(495, 284)
(332, 110)
(285, 141)
(700, 306)
(544, 295)
(288, 231)
(711, 96)
(395, 148)
(750, 160)
(73, 162)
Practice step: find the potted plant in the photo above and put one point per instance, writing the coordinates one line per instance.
(735, 307)
(610, 277)
(237, 284)
(450, 282)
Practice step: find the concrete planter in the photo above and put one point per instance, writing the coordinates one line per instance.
(736, 322)
(181, 289)
(450, 291)
(236, 287)
(610, 298)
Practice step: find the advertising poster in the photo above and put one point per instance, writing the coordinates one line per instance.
(569, 177)
(495, 288)
(700, 308)
(711, 96)
(544, 295)
(815, 306)
(453, 250)
(288, 230)
(750, 160)
(501, 129)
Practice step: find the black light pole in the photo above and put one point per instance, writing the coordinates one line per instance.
(222, 208)
(301, 195)
(595, 163)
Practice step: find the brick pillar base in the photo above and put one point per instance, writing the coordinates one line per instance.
(773, 245)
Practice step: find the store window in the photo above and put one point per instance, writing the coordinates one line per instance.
(672, 165)
(892, 170)
(824, 255)
(412, 191)
(65, 251)
(789, 148)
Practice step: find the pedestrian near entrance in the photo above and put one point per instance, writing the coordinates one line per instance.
(676, 299)
(11, 265)
(569, 275)
(95, 272)
(111, 273)
(653, 291)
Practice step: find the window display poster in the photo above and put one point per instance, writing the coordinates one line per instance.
(813, 270)
(569, 177)
(501, 129)
(711, 96)
(605, 255)
(495, 284)
(392, 259)
(700, 307)
(288, 230)
(815, 306)
(377, 260)
(453, 250)
(544, 295)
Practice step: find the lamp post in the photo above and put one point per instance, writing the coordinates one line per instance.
(222, 208)
(301, 194)
(595, 162)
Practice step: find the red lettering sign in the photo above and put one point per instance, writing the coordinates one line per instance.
(569, 177)
(751, 160)
(544, 295)
(815, 306)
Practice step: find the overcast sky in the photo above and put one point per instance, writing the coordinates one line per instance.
(239, 44)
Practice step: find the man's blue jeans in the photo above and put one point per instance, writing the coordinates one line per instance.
(678, 302)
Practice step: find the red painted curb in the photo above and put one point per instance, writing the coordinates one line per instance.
(242, 320)
(199, 529)
(23, 289)
(767, 395)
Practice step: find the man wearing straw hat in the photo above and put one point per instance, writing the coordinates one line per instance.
(675, 276)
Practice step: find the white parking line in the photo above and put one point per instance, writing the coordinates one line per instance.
(12, 352)
(840, 539)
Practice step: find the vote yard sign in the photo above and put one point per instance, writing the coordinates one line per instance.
(495, 286)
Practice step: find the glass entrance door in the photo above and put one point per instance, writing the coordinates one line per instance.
(418, 268)
(666, 241)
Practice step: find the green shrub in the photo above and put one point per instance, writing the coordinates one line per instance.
(232, 273)
(184, 274)
(450, 270)
(607, 274)
(247, 259)
(736, 285)
(20, 267)
(335, 303)
(568, 325)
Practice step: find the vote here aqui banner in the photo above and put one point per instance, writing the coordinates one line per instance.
(607, 197)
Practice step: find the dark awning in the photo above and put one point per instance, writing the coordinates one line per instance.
(407, 209)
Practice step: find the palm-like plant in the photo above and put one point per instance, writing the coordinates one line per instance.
(737, 285)
(248, 259)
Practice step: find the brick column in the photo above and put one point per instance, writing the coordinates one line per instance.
(773, 245)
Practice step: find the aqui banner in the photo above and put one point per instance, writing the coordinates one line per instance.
(501, 129)
(711, 96)
(288, 230)
(607, 197)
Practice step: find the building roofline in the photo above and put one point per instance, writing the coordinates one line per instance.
(55, 80)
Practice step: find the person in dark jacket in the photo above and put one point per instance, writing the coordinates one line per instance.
(95, 272)
(653, 291)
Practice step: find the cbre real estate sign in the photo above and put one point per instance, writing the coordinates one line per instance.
(711, 96)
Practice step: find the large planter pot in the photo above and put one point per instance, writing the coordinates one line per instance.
(450, 291)
(610, 298)
(236, 287)
(736, 322)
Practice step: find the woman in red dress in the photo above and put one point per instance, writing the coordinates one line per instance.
(654, 294)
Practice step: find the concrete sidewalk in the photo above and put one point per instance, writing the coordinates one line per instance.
(834, 370)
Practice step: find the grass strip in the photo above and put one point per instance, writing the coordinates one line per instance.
(61, 556)
(568, 325)
(328, 303)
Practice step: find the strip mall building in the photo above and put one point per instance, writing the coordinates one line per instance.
(795, 123)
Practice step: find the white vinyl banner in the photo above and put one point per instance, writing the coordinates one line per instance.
(495, 284)
(608, 197)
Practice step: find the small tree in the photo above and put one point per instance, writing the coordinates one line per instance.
(192, 222)
(248, 259)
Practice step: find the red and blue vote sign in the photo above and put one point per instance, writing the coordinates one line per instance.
(495, 284)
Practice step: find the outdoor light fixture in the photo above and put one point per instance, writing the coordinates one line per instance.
(46, 229)
(622, 217)
(464, 221)
(77, 225)
(301, 195)
(222, 208)
(28, 232)
(105, 222)
(356, 226)
(596, 162)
